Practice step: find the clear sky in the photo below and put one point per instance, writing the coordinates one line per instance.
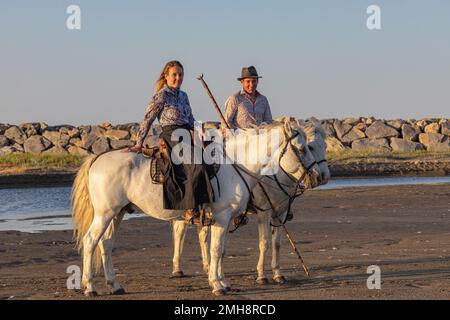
(317, 57)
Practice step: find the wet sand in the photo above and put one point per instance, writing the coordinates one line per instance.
(405, 230)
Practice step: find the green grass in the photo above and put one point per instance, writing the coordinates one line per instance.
(352, 154)
(28, 160)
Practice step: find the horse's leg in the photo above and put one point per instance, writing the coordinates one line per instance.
(90, 241)
(218, 236)
(225, 282)
(204, 247)
(264, 236)
(179, 228)
(106, 245)
(278, 277)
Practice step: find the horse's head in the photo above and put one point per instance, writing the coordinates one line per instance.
(296, 159)
(315, 136)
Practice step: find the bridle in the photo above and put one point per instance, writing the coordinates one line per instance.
(298, 190)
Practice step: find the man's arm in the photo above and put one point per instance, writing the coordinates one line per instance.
(267, 113)
(230, 112)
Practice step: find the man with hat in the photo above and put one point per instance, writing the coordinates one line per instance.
(247, 108)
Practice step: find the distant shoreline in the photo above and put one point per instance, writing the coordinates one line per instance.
(347, 168)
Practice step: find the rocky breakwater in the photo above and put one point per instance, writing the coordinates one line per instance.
(377, 135)
(40, 138)
(360, 134)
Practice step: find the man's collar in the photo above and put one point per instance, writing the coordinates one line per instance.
(242, 92)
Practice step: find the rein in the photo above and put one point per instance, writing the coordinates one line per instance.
(298, 191)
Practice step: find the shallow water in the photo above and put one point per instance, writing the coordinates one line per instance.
(40, 209)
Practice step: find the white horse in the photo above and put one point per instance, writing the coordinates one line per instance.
(279, 196)
(106, 186)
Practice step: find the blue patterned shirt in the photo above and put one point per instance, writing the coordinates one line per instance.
(171, 107)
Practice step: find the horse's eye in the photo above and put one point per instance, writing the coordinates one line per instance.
(311, 148)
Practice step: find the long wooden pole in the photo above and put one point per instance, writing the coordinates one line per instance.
(213, 100)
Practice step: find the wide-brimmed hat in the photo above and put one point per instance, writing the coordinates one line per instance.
(249, 72)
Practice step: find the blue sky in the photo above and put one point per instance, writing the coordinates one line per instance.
(317, 58)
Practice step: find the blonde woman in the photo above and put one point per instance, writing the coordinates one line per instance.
(186, 186)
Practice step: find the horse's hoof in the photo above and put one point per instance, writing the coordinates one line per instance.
(119, 292)
(227, 289)
(219, 292)
(177, 274)
(91, 294)
(280, 279)
(262, 281)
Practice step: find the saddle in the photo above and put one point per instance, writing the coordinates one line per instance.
(160, 158)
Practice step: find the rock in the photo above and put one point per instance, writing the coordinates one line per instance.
(88, 139)
(334, 145)
(57, 138)
(396, 124)
(106, 125)
(4, 151)
(352, 121)
(43, 126)
(361, 126)
(3, 128)
(377, 145)
(76, 142)
(422, 123)
(212, 125)
(432, 128)
(435, 141)
(56, 150)
(341, 128)
(329, 129)
(84, 129)
(410, 132)
(4, 141)
(114, 134)
(313, 120)
(378, 129)
(401, 145)
(71, 132)
(126, 126)
(101, 145)
(120, 144)
(353, 135)
(445, 128)
(16, 134)
(58, 128)
(370, 120)
(75, 150)
(18, 148)
(36, 144)
(31, 129)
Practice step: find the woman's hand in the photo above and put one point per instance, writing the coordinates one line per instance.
(136, 149)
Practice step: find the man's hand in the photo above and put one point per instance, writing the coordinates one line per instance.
(226, 133)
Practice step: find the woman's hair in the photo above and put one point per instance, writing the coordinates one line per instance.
(162, 77)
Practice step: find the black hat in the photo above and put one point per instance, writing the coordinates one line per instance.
(249, 72)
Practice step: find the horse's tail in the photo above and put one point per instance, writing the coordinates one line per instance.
(82, 209)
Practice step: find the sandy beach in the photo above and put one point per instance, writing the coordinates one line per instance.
(405, 230)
